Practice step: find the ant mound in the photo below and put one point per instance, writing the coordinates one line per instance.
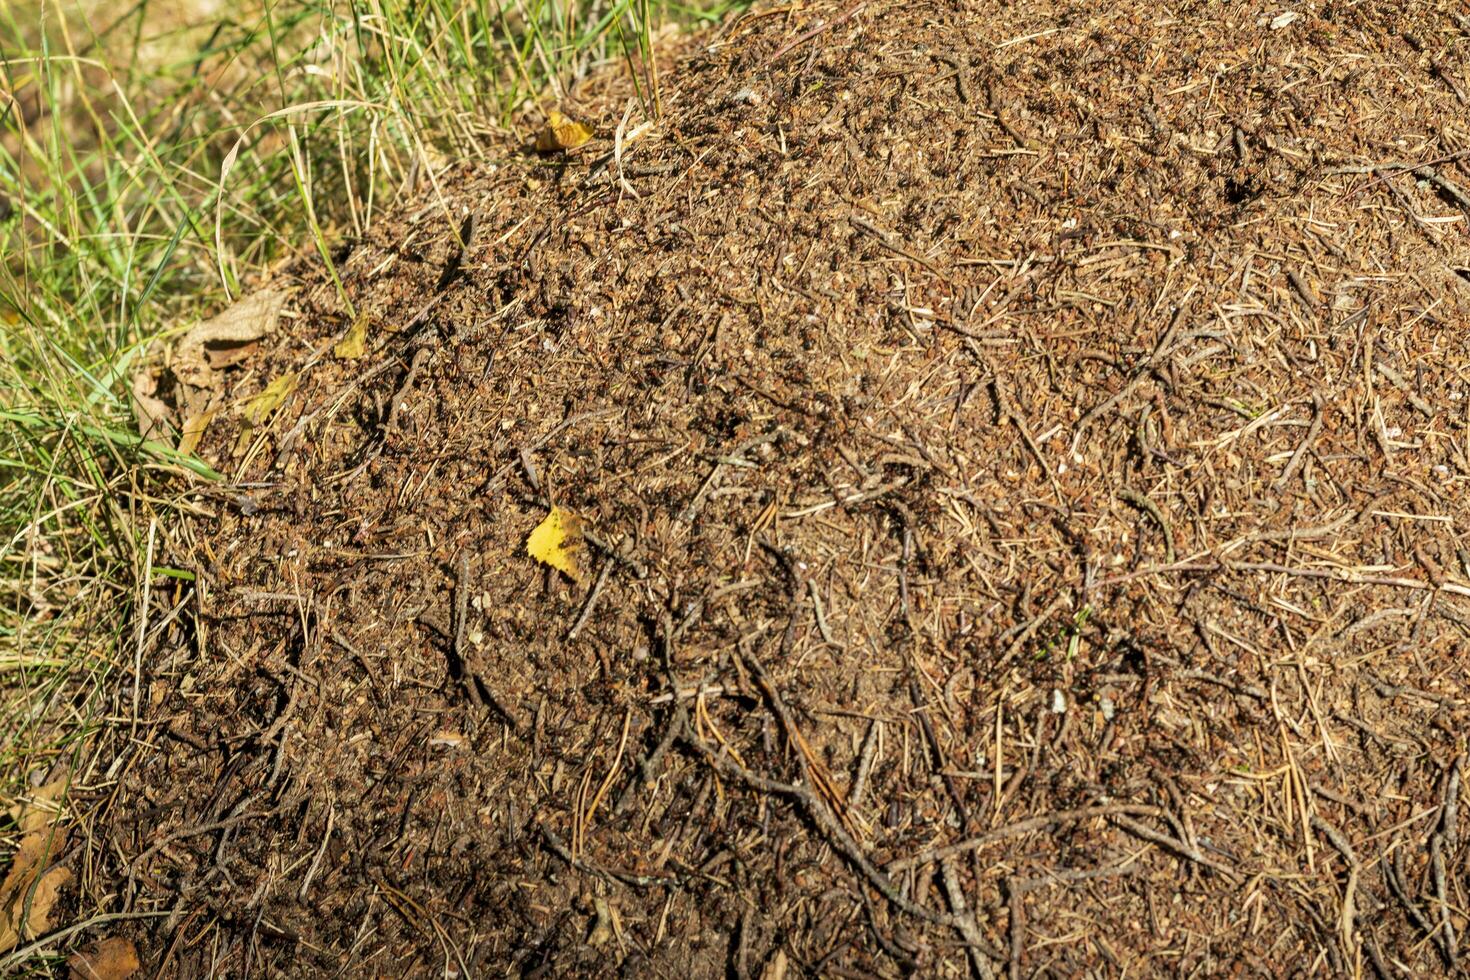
(975, 487)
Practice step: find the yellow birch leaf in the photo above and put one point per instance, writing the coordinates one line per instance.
(561, 133)
(354, 344)
(262, 405)
(557, 541)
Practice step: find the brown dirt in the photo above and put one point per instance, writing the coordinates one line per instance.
(1028, 425)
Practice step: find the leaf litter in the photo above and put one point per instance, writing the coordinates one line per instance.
(1026, 450)
(33, 881)
(192, 376)
(113, 958)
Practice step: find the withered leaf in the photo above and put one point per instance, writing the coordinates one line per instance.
(259, 407)
(114, 958)
(226, 337)
(561, 133)
(31, 885)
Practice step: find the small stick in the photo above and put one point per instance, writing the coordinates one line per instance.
(1303, 291)
(1015, 903)
(1248, 690)
(1376, 956)
(1150, 508)
(1348, 893)
(529, 465)
(1449, 187)
(903, 578)
(678, 723)
(461, 615)
(940, 765)
(1173, 844)
(826, 822)
(204, 828)
(811, 767)
(1333, 574)
(1165, 348)
(998, 111)
(845, 15)
(811, 587)
(316, 862)
(479, 692)
(592, 597)
(1447, 939)
(561, 850)
(865, 766)
(689, 693)
(1394, 877)
(1449, 821)
(887, 242)
(962, 85)
(1301, 451)
(965, 922)
(1027, 826)
(1072, 875)
(1009, 413)
(420, 356)
(1399, 382)
(1029, 630)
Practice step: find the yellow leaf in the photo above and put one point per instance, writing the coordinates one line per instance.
(263, 404)
(243, 439)
(354, 344)
(193, 431)
(561, 133)
(557, 541)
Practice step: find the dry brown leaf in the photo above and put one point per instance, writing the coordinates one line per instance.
(155, 419)
(35, 850)
(39, 807)
(30, 890)
(41, 895)
(226, 337)
(210, 347)
(229, 335)
(114, 958)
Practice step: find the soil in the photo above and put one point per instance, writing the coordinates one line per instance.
(1022, 454)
